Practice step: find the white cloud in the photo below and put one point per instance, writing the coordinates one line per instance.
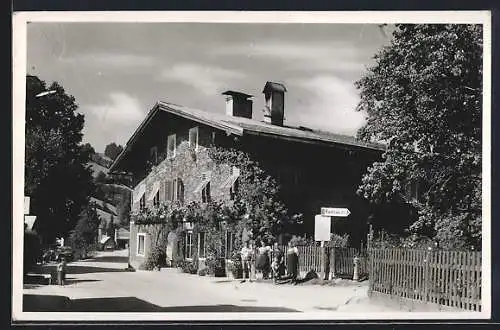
(338, 56)
(112, 121)
(115, 60)
(120, 108)
(330, 105)
(207, 79)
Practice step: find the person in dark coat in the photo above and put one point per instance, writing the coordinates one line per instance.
(263, 262)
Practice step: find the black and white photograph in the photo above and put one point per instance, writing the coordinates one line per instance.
(251, 166)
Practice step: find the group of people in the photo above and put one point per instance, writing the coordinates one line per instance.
(270, 262)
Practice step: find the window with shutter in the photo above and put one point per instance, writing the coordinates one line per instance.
(174, 190)
(169, 192)
(171, 146)
(180, 190)
(188, 251)
(201, 245)
(193, 138)
(205, 193)
(156, 199)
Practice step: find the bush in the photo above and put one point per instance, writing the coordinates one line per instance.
(203, 272)
(338, 241)
(235, 266)
(190, 268)
(157, 258)
(216, 266)
(180, 263)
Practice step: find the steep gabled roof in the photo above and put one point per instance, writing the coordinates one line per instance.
(240, 126)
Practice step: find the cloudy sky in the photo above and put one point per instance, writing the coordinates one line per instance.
(117, 71)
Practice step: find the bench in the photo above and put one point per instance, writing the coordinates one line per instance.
(44, 276)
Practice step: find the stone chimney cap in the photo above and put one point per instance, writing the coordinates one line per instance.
(237, 94)
(274, 87)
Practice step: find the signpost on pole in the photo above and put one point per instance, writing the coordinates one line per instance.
(322, 230)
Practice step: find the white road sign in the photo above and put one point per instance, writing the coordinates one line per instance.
(335, 212)
(29, 220)
(322, 228)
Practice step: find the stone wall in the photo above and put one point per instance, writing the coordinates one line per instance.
(190, 167)
(134, 259)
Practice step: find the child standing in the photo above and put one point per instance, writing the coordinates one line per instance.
(61, 271)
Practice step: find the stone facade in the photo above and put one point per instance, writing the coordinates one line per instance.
(193, 168)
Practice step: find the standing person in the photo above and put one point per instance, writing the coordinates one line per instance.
(61, 271)
(292, 265)
(263, 263)
(278, 265)
(246, 260)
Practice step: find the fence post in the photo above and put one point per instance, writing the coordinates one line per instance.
(355, 276)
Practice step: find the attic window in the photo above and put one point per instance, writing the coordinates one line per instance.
(171, 146)
(193, 138)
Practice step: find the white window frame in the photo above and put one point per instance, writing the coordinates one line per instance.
(189, 247)
(196, 143)
(204, 246)
(138, 245)
(171, 140)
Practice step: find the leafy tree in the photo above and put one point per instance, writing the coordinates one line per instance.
(100, 178)
(423, 97)
(56, 176)
(87, 148)
(84, 236)
(123, 209)
(257, 197)
(112, 150)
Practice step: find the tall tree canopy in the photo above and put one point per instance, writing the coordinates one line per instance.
(112, 150)
(423, 97)
(56, 176)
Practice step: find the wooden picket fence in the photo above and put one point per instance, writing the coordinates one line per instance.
(341, 260)
(449, 278)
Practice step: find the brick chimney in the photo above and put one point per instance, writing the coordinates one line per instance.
(238, 104)
(274, 111)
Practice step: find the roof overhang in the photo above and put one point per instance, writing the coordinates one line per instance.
(317, 141)
(176, 110)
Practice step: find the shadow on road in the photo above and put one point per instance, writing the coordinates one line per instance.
(118, 259)
(91, 269)
(70, 281)
(44, 303)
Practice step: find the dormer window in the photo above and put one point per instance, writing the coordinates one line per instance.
(193, 138)
(171, 146)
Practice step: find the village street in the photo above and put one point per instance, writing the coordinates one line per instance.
(102, 285)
